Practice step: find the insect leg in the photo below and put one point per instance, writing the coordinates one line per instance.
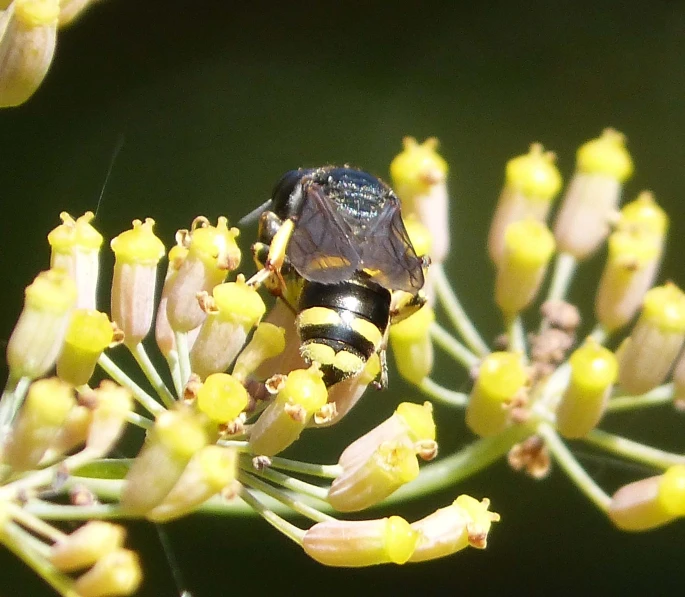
(275, 256)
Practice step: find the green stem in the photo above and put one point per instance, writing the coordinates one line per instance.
(44, 477)
(48, 511)
(239, 445)
(633, 450)
(183, 358)
(139, 420)
(599, 334)
(306, 468)
(10, 402)
(456, 467)
(140, 355)
(284, 498)
(118, 375)
(452, 346)
(175, 369)
(516, 335)
(572, 467)
(30, 521)
(564, 268)
(319, 493)
(104, 489)
(282, 525)
(434, 390)
(456, 312)
(656, 397)
(14, 538)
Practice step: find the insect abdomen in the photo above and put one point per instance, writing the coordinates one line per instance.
(341, 326)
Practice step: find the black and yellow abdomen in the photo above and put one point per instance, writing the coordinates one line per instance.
(342, 325)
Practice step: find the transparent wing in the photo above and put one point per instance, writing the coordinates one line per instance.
(388, 255)
(321, 247)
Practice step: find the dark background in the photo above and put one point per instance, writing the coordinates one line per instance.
(216, 99)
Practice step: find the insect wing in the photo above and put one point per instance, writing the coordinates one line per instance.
(388, 255)
(321, 248)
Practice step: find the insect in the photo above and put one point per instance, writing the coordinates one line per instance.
(333, 246)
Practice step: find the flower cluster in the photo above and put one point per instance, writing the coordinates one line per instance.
(237, 391)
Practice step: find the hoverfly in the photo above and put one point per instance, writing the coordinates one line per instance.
(333, 246)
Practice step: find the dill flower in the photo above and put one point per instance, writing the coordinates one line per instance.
(647, 355)
(28, 30)
(43, 413)
(593, 372)
(419, 176)
(37, 338)
(137, 253)
(361, 542)
(75, 248)
(531, 183)
(302, 395)
(212, 253)
(602, 166)
(174, 439)
(465, 522)
(233, 311)
(502, 380)
(651, 502)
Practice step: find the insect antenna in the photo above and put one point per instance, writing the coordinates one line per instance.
(253, 216)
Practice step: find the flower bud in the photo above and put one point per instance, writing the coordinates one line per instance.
(76, 248)
(646, 357)
(28, 32)
(136, 255)
(208, 472)
(528, 247)
(593, 372)
(111, 406)
(630, 270)
(419, 177)
(86, 545)
(411, 345)
(268, 341)
(117, 573)
(602, 166)
(38, 337)
(411, 423)
(235, 309)
(532, 181)
(171, 443)
(282, 422)
(222, 398)
(502, 378)
(356, 543)
(650, 503)
(89, 333)
(448, 530)
(43, 413)
(212, 253)
(391, 465)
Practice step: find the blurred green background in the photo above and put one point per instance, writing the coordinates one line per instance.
(216, 99)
